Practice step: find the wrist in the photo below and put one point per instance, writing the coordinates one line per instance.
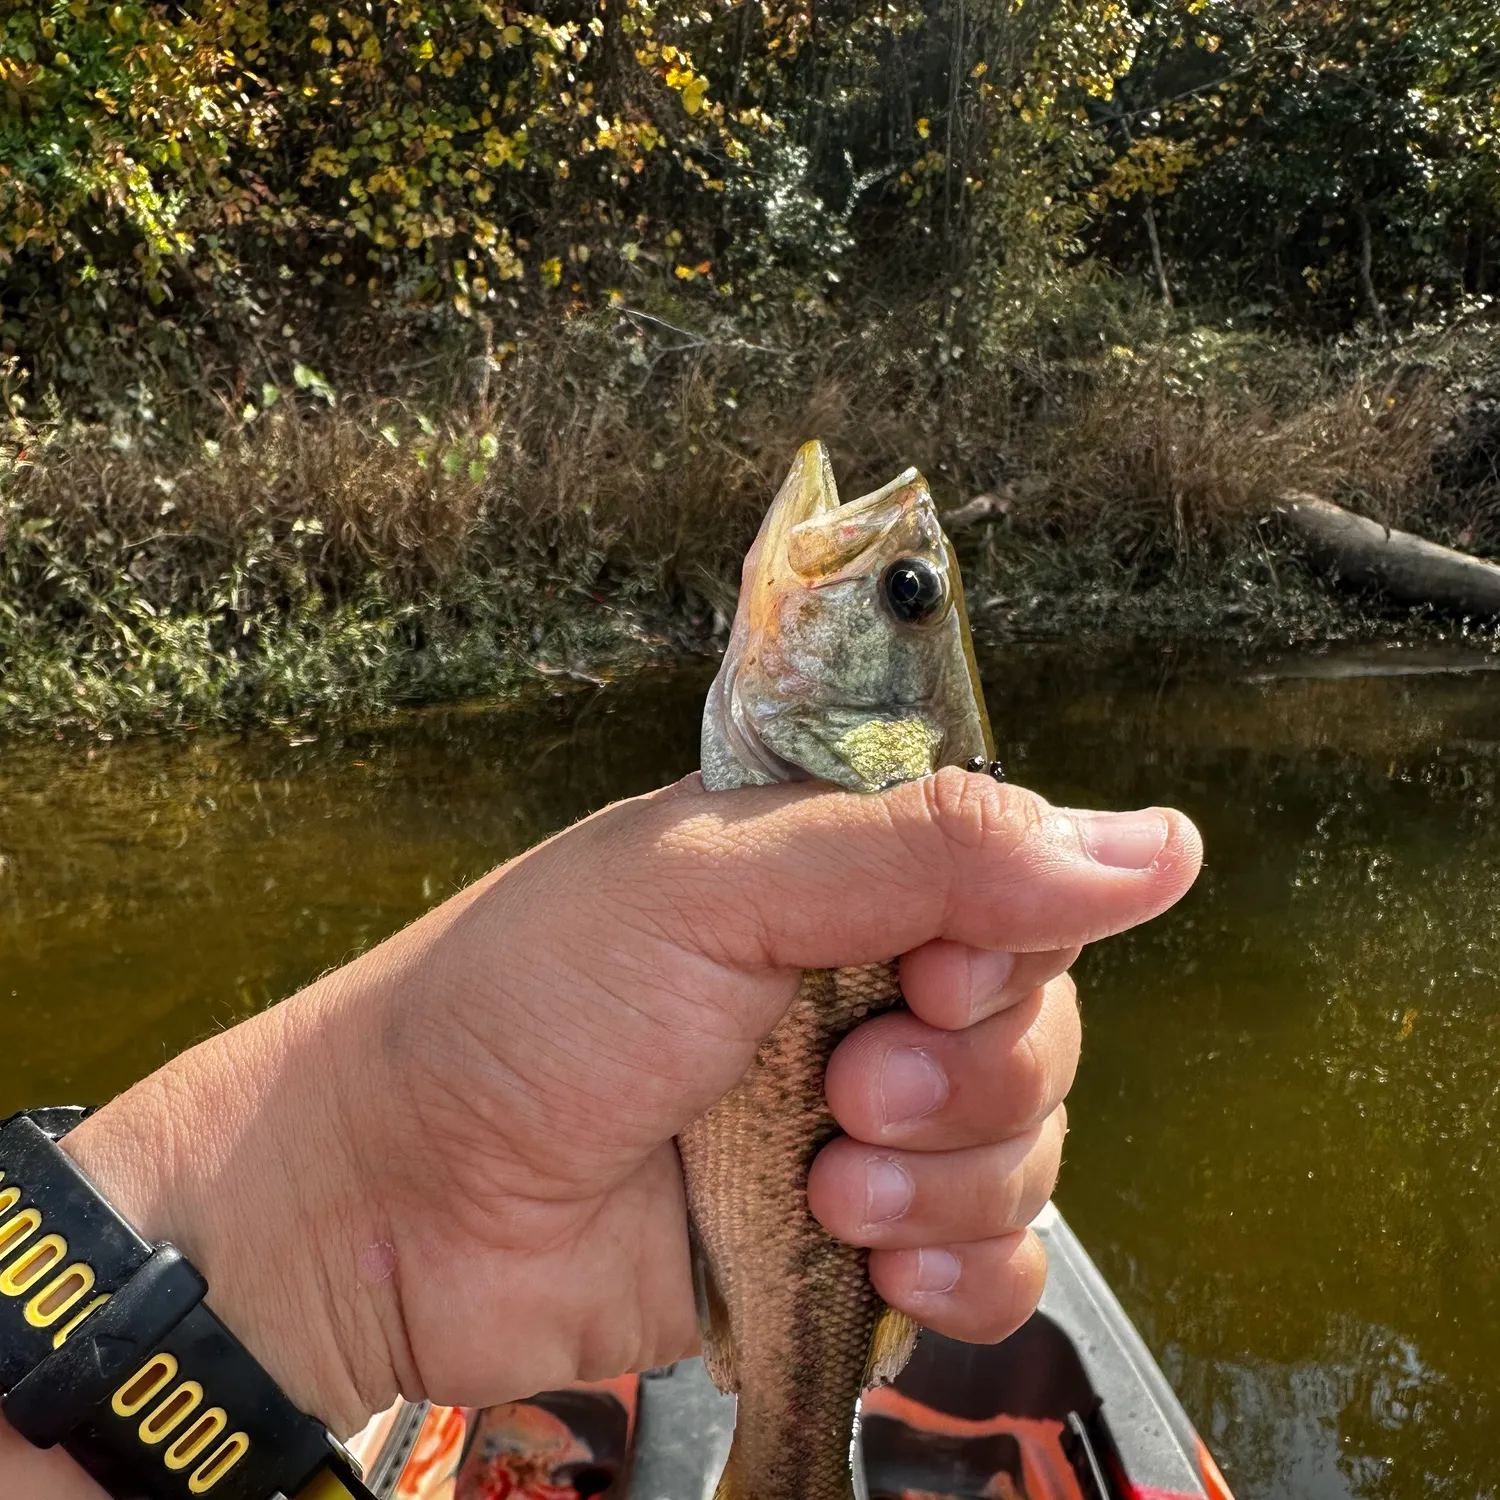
(238, 1153)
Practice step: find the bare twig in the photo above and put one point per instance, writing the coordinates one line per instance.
(1163, 285)
(1366, 279)
(702, 340)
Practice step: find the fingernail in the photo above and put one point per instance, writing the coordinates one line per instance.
(1123, 841)
(988, 976)
(888, 1191)
(911, 1085)
(937, 1270)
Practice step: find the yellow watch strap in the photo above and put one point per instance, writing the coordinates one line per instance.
(326, 1486)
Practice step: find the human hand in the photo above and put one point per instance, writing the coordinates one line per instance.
(449, 1168)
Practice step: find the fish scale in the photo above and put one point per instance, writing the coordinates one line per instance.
(801, 1312)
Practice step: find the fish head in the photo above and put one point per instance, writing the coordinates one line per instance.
(850, 659)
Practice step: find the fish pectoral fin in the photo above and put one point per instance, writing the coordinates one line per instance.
(713, 1320)
(891, 1346)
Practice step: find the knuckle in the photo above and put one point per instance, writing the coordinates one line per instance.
(1010, 1299)
(1009, 1200)
(1043, 1168)
(1003, 1175)
(1028, 1276)
(1050, 1049)
(954, 802)
(973, 812)
(1036, 1089)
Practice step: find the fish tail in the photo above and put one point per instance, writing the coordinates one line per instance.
(731, 1485)
(738, 1483)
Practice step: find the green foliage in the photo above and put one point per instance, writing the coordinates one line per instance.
(210, 159)
(1316, 160)
(343, 343)
(167, 170)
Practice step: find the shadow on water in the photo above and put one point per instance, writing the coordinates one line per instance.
(1280, 1135)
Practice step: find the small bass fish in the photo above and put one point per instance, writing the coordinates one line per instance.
(849, 662)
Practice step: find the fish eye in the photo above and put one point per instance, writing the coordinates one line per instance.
(912, 589)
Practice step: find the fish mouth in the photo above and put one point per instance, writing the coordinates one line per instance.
(836, 540)
(765, 721)
(905, 477)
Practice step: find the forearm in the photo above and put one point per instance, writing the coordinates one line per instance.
(239, 1153)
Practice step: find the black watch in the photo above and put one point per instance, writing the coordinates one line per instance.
(107, 1348)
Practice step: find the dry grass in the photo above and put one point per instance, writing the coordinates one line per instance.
(574, 456)
(317, 554)
(1154, 465)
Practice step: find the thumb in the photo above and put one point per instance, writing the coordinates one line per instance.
(808, 877)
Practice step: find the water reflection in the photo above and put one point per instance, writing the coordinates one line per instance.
(1279, 1147)
(152, 890)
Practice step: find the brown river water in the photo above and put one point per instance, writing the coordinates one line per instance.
(1281, 1149)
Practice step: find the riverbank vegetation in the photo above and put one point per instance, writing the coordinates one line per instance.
(379, 353)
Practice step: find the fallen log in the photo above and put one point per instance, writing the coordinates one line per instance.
(1409, 569)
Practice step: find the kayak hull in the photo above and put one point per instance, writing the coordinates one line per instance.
(1072, 1406)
